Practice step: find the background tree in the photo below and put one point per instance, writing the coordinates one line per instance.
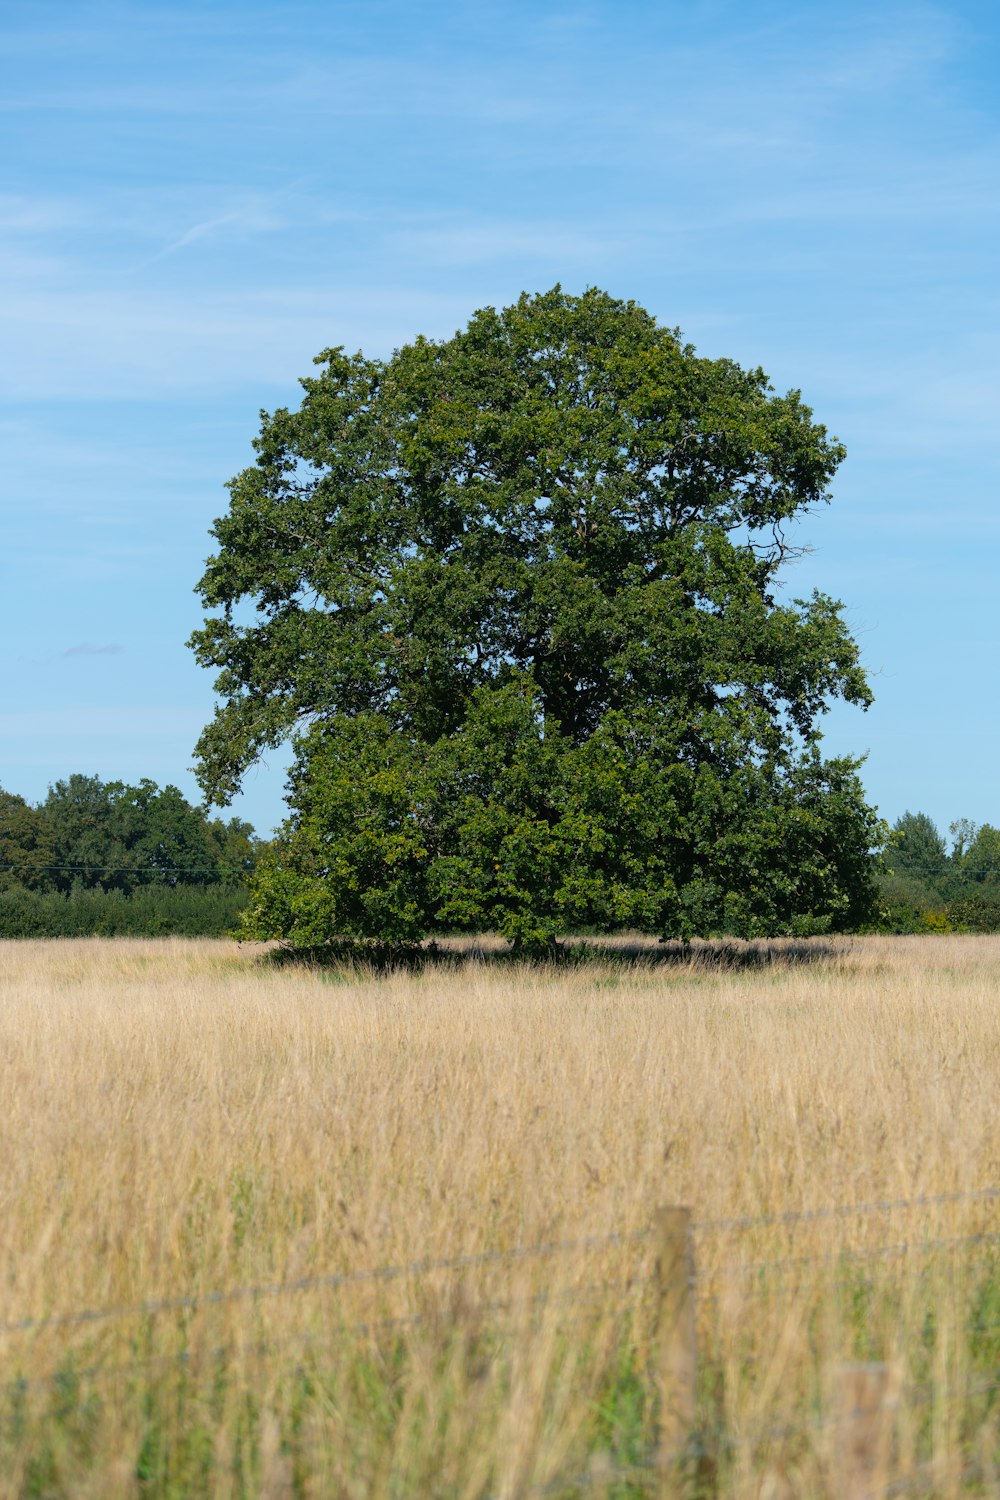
(27, 846)
(963, 831)
(917, 848)
(975, 882)
(107, 858)
(979, 862)
(236, 849)
(516, 603)
(926, 887)
(113, 836)
(79, 812)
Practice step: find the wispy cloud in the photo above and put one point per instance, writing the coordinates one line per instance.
(203, 197)
(108, 343)
(86, 649)
(116, 225)
(251, 218)
(24, 213)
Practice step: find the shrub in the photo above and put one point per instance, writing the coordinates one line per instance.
(155, 911)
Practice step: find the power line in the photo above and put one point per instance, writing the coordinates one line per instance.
(131, 869)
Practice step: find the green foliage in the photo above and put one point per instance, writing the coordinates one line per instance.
(153, 911)
(107, 858)
(27, 846)
(924, 888)
(979, 863)
(905, 902)
(116, 837)
(916, 848)
(236, 849)
(509, 826)
(516, 605)
(976, 913)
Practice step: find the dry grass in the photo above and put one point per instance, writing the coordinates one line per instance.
(180, 1118)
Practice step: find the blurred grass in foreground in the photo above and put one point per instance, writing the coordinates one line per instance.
(217, 1151)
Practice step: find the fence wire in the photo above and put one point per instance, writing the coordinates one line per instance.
(330, 1281)
(366, 1328)
(848, 1256)
(543, 1250)
(711, 1441)
(845, 1210)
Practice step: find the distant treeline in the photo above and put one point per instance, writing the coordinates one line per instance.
(929, 887)
(104, 857)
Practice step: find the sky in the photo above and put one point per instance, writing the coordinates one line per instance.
(196, 198)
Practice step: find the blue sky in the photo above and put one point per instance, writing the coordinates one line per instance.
(197, 198)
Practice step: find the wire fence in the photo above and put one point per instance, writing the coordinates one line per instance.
(848, 1210)
(710, 1440)
(260, 1290)
(549, 1249)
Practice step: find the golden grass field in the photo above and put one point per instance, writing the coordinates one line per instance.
(183, 1119)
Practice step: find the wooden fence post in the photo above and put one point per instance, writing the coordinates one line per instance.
(677, 1357)
(860, 1431)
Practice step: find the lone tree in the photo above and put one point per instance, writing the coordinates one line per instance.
(512, 596)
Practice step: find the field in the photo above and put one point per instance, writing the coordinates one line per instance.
(267, 1231)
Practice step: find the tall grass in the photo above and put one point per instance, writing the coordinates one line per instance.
(181, 1119)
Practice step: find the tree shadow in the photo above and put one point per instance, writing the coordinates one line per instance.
(630, 951)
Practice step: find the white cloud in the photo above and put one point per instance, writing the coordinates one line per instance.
(106, 343)
(251, 214)
(22, 213)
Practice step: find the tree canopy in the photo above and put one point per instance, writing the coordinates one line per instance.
(110, 836)
(924, 886)
(916, 847)
(514, 597)
(27, 846)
